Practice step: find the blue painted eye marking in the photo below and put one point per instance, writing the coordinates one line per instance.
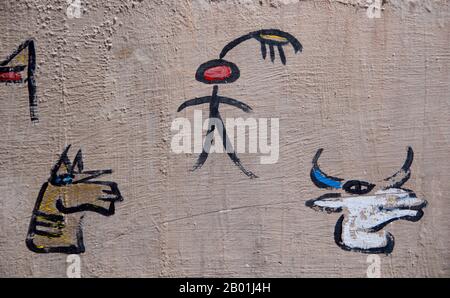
(322, 178)
(67, 180)
(63, 180)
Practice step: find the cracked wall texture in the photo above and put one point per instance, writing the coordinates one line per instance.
(110, 83)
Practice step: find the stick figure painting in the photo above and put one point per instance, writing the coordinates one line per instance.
(221, 71)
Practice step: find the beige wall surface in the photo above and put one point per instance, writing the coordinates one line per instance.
(110, 80)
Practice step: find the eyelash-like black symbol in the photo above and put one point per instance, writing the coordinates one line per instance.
(273, 38)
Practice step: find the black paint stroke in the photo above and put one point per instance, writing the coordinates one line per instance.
(235, 103)
(50, 217)
(316, 167)
(57, 220)
(358, 187)
(311, 203)
(402, 175)
(272, 53)
(263, 50)
(207, 99)
(282, 55)
(31, 68)
(47, 234)
(290, 39)
(194, 102)
(17, 68)
(387, 249)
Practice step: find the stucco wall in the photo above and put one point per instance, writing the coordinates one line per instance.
(110, 82)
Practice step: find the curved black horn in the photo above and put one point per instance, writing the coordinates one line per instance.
(402, 175)
(319, 178)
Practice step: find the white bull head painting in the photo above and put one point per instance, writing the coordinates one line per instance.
(367, 212)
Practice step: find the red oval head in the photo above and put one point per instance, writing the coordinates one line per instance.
(217, 72)
(10, 76)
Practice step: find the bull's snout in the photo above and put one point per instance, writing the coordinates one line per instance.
(399, 199)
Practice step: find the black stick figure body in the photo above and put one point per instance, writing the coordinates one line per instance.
(217, 72)
(221, 71)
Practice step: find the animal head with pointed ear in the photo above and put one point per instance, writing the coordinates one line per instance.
(55, 225)
(360, 227)
(65, 173)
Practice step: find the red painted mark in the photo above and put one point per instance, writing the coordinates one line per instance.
(217, 73)
(10, 76)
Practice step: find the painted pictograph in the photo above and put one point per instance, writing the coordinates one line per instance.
(19, 68)
(360, 228)
(221, 71)
(56, 221)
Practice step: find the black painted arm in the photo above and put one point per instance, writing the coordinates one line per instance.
(235, 103)
(194, 102)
